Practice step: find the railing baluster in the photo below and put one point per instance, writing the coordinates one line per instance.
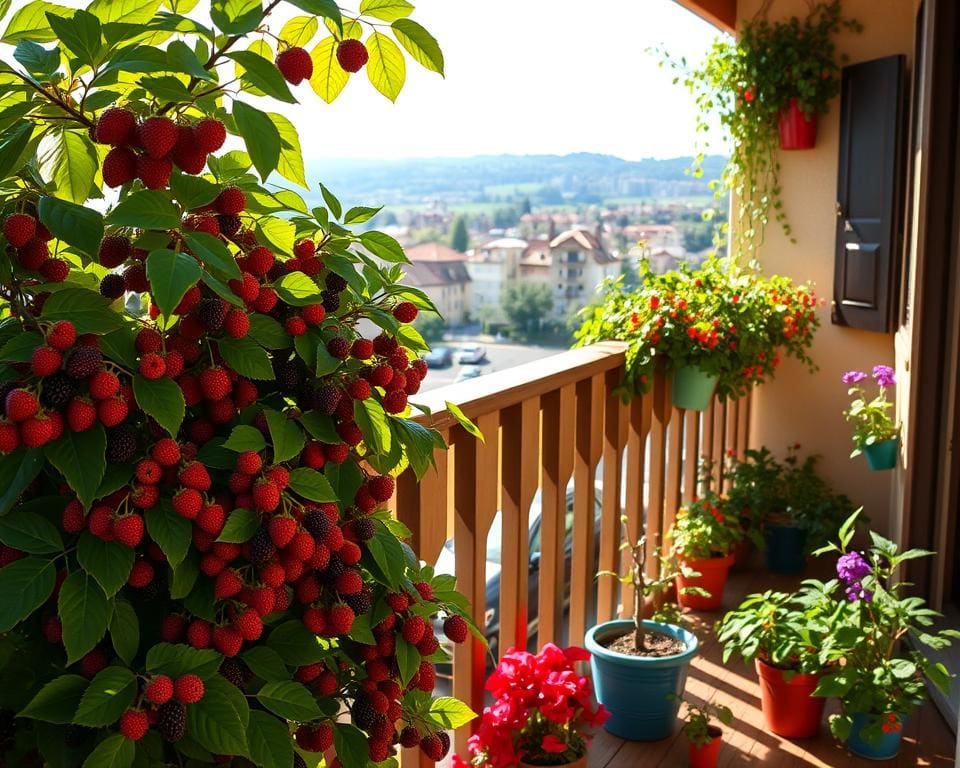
(559, 415)
(421, 505)
(743, 428)
(662, 411)
(614, 441)
(719, 435)
(641, 417)
(730, 443)
(674, 461)
(691, 452)
(706, 445)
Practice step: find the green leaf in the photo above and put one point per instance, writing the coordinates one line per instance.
(80, 35)
(113, 752)
(289, 700)
(181, 58)
(262, 74)
(127, 11)
(296, 644)
(240, 526)
(386, 68)
(166, 88)
(360, 214)
(374, 423)
(247, 358)
(408, 660)
(387, 553)
(30, 532)
(162, 400)
(84, 612)
(57, 700)
(351, 744)
(193, 191)
(326, 8)
(36, 59)
(320, 427)
(331, 202)
(236, 17)
(299, 30)
(449, 713)
(384, 246)
(420, 44)
(329, 78)
(88, 311)
(137, 59)
(120, 346)
(269, 741)
(20, 348)
(31, 22)
(291, 155)
(17, 471)
(279, 234)
(176, 660)
(298, 290)
(12, 147)
(146, 209)
(109, 562)
(245, 438)
(261, 137)
(286, 436)
(213, 253)
(81, 459)
(266, 664)
(463, 421)
(26, 585)
(171, 275)
(125, 631)
(107, 697)
(215, 724)
(386, 10)
(311, 485)
(172, 533)
(71, 163)
(268, 332)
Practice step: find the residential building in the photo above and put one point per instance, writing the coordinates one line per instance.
(490, 268)
(579, 263)
(441, 273)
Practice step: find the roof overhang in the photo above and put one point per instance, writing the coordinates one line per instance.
(720, 13)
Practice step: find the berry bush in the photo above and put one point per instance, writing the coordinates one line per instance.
(198, 442)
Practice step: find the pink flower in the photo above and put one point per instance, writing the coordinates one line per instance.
(552, 744)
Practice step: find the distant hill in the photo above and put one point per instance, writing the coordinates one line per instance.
(544, 179)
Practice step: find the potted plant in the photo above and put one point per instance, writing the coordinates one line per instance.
(703, 540)
(781, 635)
(875, 433)
(705, 739)
(542, 712)
(637, 654)
(753, 494)
(718, 329)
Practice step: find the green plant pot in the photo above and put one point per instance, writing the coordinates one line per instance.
(881, 455)
(692, 389)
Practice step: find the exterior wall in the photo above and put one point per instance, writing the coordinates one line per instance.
(796, 406)
(487, 279)
(452, 300)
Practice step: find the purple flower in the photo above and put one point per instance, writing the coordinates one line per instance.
(853, 377)
(884, 375)
(857, 592)
(852, 568)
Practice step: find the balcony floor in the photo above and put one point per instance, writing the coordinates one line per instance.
(928, 740)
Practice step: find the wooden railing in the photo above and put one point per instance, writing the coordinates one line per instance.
(545, 424)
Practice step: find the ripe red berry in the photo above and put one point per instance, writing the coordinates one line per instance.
(352, 55)
(187, 503)
(349, 583)
(455, 628)
(209, 134)
(134, 724)
(395, 401)
(152, 366)
(433, 747)
(116, 126)
(228, 641)
(154, 172)
(119, 167)
(227, 584)
(62, 335)
(211, 519)
(295, 65)
(159, 690)
(405, 312)
(230, 201)
(340, 619)
(249, 463)
(36, 431)
(295, 325)
(314, 314)
(20, 405)
(104, 385)
(259, 261)
(236, 324)
(158, 135)
(112, 411)
(413, 629)
(199, 634)
(381, 487)
(55, 270)
(19, 229)
(188, 689)
(186, 154)
(266, 496)
(215, 383)
(195, 475)
(339, 347)
(266, 299)
(141, 575)
(166, 452)
(249, 625)
(45, 361)
(282, 530)
(425, 590)
(128, 529)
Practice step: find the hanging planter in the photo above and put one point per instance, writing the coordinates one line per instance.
(874, 428)
(692, 389)
(881, 455)
(798, 129)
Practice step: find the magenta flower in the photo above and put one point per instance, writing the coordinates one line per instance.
(552, 744)
(852, 567)
(853, 377)
(884, 375)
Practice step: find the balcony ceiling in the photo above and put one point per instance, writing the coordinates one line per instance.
(721, 13)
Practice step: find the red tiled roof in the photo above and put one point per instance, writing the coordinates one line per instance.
(434, 252)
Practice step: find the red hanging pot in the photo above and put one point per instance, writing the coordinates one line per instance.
(798, 130)
(712, 579)
(707, 755)
(789, 706)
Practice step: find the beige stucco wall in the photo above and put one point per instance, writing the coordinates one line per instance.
(798, 406)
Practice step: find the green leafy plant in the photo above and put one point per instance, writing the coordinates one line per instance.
(729, 321)
(754, 490)
(700, 731)
(871, 419)
(197, 443)
(745, 84)
(702, 530)
(878, 639)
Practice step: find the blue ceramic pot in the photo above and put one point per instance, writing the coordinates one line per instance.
(885, 748)
(641, 693)
(881, 455)
(785, 548)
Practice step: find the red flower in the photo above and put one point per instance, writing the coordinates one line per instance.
(654, 302)
(552, 744)
(748, 95)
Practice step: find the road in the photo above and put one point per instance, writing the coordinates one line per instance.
(499, 357)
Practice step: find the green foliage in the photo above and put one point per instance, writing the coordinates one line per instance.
(526, 305)
(702, 530)
(460, 237)
(699, 729)
(870, 417)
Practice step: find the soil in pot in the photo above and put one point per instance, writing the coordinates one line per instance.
(655, 645)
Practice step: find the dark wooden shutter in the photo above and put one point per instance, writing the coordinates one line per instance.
(869, 194)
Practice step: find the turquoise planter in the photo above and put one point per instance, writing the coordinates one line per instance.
(885, 748)
(785, 548)
(692, 389)
(881, 455)
(642, 694)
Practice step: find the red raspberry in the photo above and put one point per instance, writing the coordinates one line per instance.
(154, 172)
(249, 462)
(433, 747)
(280, 475)
(55, 270)
(148, 340)
(114, 250)
(141, 575)
(211, 519)
(381, 487)
(263, 599)
(228, 641)
(399, 359)
(104, 385)
(62, 335)
(304, 249)
(73, 520)
(134, 724)
(174, 362)
(100, 522)
(195, 475)
(413, 629)
(266, 300)
(186, 155)
(352, 55)
(215, 383)
(230, 201)
(259, 261)
(339, 347)
(381, 376)
(21, 405)
(53, 630)
(426, 677)
(33, 255)
(152, 366)
(116, 126)
(158, 135)
(313, 456)
(455, 628)
(266, 496)
(209, 135)
(349, 583)
(93, 662)
(19, 229)
(302, 546)
(405, 312)
(188, 689)
(45, 361)
(337, 453)
(9, 437)
(236, 324)
(166, 452)
(425, 590)
(350, 553)
(119, 167)
(340, 619)
(282, 529)
(128, 529)
(187, 503)
(249, 625)
(395, 401)
(37, 431)
(409, 736)
(272, 575)
(172, 628)
(314, 314)
(295, 65)
(295, 326)
(247, 288)
(113, 411)
(227, 584)
(359, 389)
(311, 267)
(159, 690)
(362, 349)
(199, 634)
(192, 297)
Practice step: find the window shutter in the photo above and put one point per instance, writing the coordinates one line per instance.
(869, 194)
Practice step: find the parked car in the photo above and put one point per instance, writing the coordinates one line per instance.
(471, 354)
(469, 372)
(439, 357)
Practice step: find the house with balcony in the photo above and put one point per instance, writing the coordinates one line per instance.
(578, 264)
(441, 273)
(490, 267)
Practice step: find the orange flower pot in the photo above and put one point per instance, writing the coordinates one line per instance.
(713, 578)
(707, 755)
(789, 706)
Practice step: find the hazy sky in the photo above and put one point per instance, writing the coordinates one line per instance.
(523, 77)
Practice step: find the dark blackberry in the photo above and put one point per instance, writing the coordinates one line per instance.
(364, 715)
(384, 345)
(444, 740)
(363, 528)
(362, 602)
(156, 589)
(121, 444)
(277, 271)
(339, 347)
(334, 282)
(75, 735)
(323, 398)
(331, 301)
(334, 568)
(233, 671)
(211, 312)
(172, 721)
(298, 762)
(229, 224)
(317, 523)
(84, 362)
(58, 390)
(262, 548)
(289, 375)
(112, 286)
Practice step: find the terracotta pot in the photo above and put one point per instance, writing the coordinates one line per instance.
(713, 578)
(580, 762)
(789, 706)
(798, 130)
(707, 755)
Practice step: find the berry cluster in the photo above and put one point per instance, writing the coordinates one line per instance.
(164, 707)
(27, 245)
